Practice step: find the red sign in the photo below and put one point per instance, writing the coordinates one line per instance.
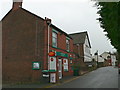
(51, 54)
(64, 61)
(51, 59)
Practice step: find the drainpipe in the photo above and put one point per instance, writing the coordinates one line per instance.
(48, 44)
(49, 23)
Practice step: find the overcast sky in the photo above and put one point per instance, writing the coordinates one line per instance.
(71, 16)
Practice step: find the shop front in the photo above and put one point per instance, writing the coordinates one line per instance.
(59, 66)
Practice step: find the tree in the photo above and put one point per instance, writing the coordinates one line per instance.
(110, 21)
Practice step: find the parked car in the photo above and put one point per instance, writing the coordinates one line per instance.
(119, 68)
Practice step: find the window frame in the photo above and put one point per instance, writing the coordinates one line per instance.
(67, 44)
(55, 38)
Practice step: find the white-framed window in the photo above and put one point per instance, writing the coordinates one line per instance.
(52, 61)
(54, 39)
(65, 63)
(67, 45)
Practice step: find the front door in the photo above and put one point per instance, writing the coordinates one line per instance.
(60, 68)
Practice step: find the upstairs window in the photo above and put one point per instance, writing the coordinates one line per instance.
(67, 45)
(54, 39)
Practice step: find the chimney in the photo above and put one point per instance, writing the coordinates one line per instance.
(48, 21)
(17, 4)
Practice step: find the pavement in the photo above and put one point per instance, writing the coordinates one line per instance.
(44, 84)
(104, 77)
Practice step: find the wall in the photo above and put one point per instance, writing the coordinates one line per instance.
(0, 54)
(113, 58)
(61, 47)
(21, 46)
(79, 60)
(87, 51)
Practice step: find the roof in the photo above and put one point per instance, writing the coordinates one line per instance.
(105, 53)
(58, 29)
(79, 38)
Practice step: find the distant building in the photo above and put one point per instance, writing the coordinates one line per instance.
(113, 58)
(82, 47)
(99, 60)
(105, 59)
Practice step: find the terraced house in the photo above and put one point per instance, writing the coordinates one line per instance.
(82, 48)
(32, 46)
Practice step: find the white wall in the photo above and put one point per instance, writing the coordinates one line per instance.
(99, 59)
(105, 55)
(113, 58)
(87, 51)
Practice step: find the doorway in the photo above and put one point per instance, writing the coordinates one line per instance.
(60, 68)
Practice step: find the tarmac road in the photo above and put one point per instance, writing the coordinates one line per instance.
(105, 77)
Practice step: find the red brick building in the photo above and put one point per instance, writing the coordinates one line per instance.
(62, 44)
(27, 41)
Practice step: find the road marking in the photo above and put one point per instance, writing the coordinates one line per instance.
(49, 86)
(71, 79)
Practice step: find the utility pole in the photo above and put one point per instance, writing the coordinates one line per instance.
(97, 57)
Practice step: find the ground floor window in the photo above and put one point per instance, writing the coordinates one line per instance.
(52, 61)
(65, 64)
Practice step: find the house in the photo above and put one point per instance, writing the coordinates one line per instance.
(105, 59)
(82, 48)
(99, 61)
(32, 45)
(113, 58)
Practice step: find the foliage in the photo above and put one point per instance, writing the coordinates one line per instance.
(110, 21)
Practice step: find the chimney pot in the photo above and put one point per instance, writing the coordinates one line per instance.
(17, 4)
(48, 20)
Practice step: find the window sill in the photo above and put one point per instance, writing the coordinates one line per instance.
(54, 47)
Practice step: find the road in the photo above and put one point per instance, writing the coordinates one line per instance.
(105, 77)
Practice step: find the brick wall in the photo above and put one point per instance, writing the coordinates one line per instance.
(62, 48)
(83, 65)
(19, 46)
(79, 55)
(24, 40)
(82, 51)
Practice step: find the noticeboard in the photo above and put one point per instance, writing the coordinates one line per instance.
(35, 65)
